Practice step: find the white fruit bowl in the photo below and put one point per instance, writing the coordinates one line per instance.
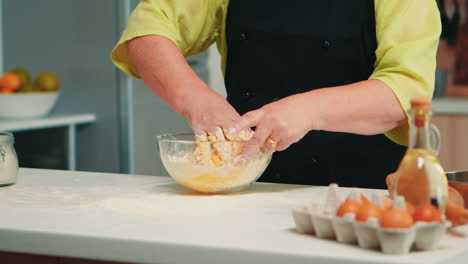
(27, 105)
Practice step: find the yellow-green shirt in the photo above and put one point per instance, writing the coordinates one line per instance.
(407, 38)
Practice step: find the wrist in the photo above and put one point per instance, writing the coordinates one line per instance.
(314, 105)
(185, 100)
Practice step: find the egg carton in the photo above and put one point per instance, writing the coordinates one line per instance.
(320, 220)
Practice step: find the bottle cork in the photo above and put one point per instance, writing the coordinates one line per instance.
(421, 103)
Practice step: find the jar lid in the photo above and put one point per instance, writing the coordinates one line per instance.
(6, 138)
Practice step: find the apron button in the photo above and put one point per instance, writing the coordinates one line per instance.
(248, 94)
(314, 160)
(243, 36)
(326, 45)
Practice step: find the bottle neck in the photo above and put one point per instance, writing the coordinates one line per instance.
(420, 130)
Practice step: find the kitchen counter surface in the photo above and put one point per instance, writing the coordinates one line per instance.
(450, 106)
(149, 219)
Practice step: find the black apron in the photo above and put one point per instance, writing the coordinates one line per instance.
(277, 48)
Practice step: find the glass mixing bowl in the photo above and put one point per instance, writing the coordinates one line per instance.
(209, 167)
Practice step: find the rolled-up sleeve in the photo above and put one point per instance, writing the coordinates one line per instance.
(408, 34)
(192, 25)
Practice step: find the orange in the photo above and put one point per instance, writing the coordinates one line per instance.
(5, 91)
(23, 74)
(10, 82)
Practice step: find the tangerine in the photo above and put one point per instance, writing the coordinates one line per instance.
(10, 82)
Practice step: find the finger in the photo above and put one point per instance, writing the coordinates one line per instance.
(261, 134)
(245, 122)
(244, 135)
(282, 145)
(390, 180)
(273, 141)
(200, 134)
(216, 134)
(270, 145)
(225, 125)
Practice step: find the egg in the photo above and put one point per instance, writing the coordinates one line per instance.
(427, 213)
(368, 210)
(348, 206)
(396, 218)
(456, 214)
(455, 196)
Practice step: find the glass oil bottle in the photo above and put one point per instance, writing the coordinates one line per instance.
(421, 178)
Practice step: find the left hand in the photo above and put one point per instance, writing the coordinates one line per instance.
(278, 125)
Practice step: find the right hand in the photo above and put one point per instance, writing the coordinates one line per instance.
(207, 112)
(390, 182)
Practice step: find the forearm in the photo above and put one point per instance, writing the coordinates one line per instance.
(368, 107)
(165, 71)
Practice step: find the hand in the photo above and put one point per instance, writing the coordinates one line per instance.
(208, 114)
(390, 180)
(278, 125)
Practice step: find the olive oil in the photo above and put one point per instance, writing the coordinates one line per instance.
(421, 178)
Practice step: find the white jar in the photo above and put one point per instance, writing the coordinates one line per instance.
(8, 160)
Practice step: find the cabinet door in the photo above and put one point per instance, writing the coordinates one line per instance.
(454, 149)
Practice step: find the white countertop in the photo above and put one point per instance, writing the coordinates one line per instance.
(450, 106)
(49, 121)
(149, 219)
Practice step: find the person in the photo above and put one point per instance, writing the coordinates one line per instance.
(326, 84)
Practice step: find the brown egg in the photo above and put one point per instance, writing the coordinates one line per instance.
(455, 196)
(396, 218)
(367, 211)
(427, 213)
(348, 206)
